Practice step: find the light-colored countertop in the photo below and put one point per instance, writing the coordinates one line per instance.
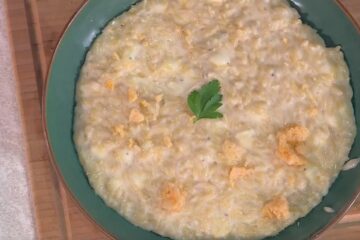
(16, 220)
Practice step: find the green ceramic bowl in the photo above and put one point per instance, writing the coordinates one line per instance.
(58, 113)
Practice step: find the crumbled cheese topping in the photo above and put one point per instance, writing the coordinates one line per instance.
(119, 130)
(109, 84)
(289, 139)
(172, 198)
(277, 208)
(136, 116)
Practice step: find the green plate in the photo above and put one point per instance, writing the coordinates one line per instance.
(325, 16)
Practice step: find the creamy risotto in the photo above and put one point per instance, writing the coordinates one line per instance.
(286, 130)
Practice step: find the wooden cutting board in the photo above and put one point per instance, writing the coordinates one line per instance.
(35, 27)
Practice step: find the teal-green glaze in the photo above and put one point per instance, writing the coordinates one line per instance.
(325, 16)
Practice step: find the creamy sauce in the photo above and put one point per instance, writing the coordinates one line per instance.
(287, 129)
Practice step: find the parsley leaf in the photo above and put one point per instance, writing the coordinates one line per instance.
(205, 102)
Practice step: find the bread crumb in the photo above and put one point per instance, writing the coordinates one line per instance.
(136, 116)
(116, 56)
(167, 142)
(312, 111)
(192, 118)
(144, 104)
(159, 98)
(119, 130)
(277, 208)
(186, 35)
(131, 143)
(132, 95)
(291, 180)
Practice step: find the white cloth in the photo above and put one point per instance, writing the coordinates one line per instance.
(16, 217)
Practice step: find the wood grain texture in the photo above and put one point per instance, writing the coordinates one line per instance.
(35, 27)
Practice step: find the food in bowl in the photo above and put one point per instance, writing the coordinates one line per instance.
(283, 131)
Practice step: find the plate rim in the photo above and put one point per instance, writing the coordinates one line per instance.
(53, 162)
(314, 236)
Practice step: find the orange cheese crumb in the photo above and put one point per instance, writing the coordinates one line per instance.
(277, 208)
(109, 84)
(172, 198)
(289, 139)
(136, 116)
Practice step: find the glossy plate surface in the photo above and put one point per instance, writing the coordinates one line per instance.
(325, 16)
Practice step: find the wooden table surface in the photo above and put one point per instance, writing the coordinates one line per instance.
(35, 27)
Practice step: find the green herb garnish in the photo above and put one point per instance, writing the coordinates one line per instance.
(205, 102)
